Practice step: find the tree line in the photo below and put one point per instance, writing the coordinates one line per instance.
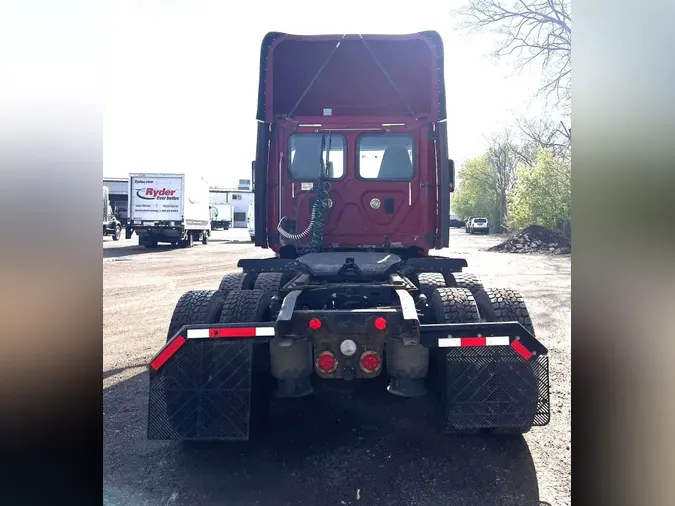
(524, 177)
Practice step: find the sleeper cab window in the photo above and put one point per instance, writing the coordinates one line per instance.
(385, 157)
(305, 154)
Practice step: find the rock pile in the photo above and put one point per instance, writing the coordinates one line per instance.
(535, 239)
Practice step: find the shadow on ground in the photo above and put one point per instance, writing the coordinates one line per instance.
(363, 447)
(232, 241)
(135, 249)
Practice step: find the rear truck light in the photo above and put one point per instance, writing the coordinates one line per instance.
(380, 323)
(315, 324)
(347, 347)
(370, 362)
(326, 362)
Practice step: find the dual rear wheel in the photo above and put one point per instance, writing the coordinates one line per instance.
(481, 389)
(454, 373)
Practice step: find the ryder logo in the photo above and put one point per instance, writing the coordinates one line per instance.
(154, 194)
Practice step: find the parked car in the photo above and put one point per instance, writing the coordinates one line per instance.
(456, 221)
(479, 225)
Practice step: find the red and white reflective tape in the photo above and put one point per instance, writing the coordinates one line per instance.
(168, 351)
(449, 342)
(230, 332)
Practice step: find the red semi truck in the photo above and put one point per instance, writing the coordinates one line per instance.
(352, 194)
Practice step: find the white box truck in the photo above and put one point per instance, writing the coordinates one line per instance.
(221, 215)
(169, 208)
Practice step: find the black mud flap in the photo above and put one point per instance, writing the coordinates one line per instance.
(496, 388)
(202, 391)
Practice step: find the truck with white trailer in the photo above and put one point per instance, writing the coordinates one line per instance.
(168, 208)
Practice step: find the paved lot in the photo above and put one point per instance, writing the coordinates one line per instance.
(348, 448)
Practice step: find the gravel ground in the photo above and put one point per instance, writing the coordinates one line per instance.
(346, 448)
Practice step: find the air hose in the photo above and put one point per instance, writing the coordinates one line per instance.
(316, 221)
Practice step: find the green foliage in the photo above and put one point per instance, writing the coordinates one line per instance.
(542, 194)
(476, 194)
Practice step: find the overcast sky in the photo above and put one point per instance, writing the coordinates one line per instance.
(182, 77)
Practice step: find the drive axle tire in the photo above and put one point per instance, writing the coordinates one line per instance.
(473, 284)
(507, 305)
(242, 306)
(453, 305)
(195, 307)
(429, 281)
(236, 281)
(268, 281)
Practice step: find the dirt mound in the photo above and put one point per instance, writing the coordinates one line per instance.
(535, 239)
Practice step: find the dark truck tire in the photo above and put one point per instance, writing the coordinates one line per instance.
(268, 281)
(117, 233)
(473, 284)
(453, 305)
(236, 281)
(243, 306)
(429, 281)
(508, 305)
(197, 306)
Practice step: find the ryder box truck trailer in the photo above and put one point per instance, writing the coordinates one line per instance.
(168, 208)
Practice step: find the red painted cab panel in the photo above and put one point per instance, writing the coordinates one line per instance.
(376, 106)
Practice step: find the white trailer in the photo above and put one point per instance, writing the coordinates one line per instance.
(221, 215)
(170, 208)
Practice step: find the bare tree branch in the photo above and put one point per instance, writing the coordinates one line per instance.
(531, 30)
(543, 133)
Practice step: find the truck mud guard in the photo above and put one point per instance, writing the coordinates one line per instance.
(202, 382)
(206, 380)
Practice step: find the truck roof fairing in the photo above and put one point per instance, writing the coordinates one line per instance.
(351, 76)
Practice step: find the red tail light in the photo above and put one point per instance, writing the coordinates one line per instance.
(326, 362)
(380, 323)
(315, 324)
(370, 362)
